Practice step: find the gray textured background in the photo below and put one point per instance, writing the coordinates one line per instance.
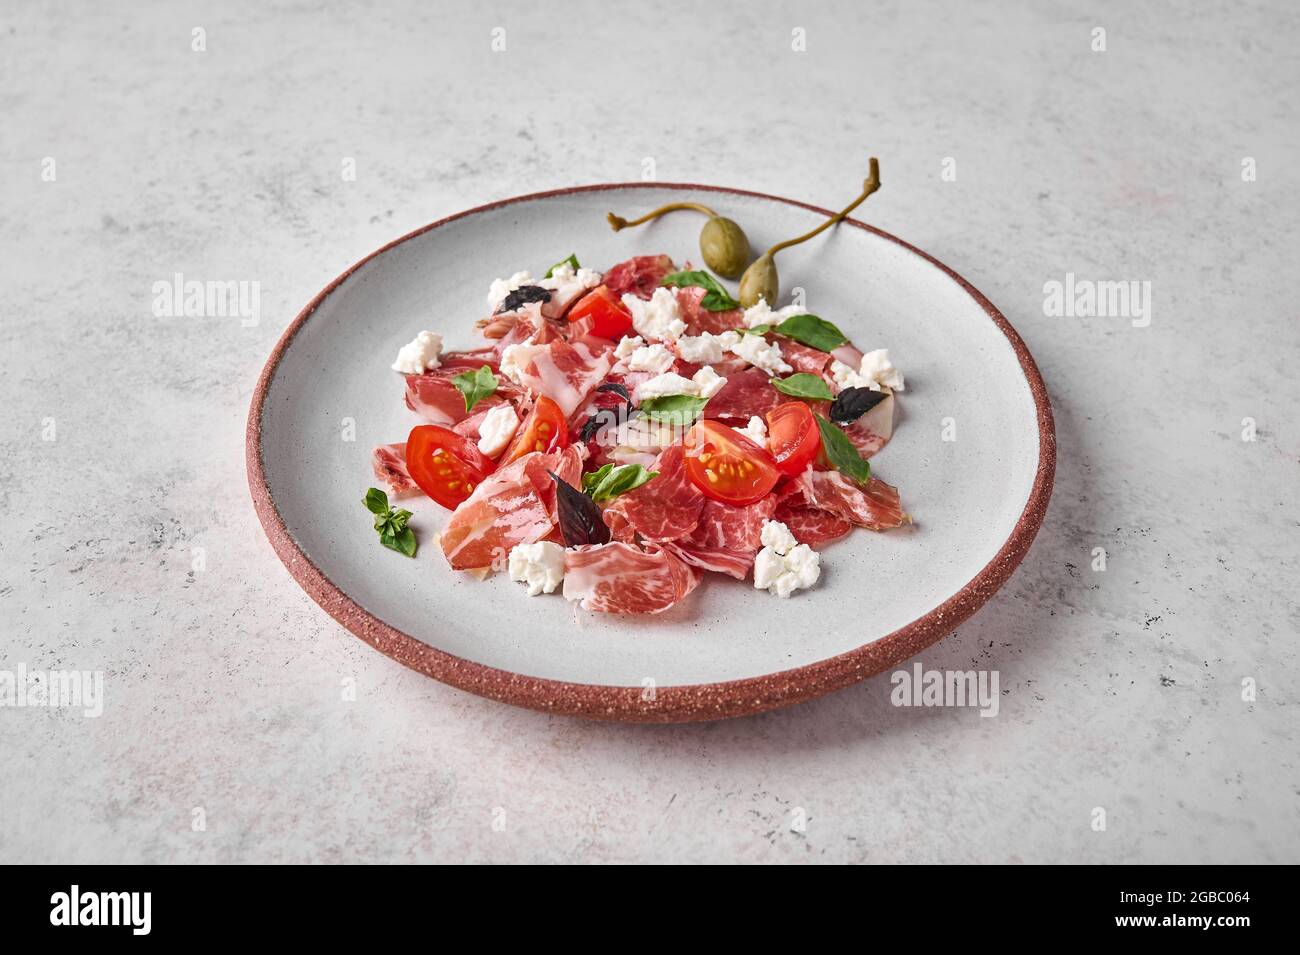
(1122, 689)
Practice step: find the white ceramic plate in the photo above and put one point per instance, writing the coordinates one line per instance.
(727, 649)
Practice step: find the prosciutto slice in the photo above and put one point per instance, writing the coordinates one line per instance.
(873, 430)
(748, 392)
(566, 372)
(733, 528)
(699, 319)
(802, 358)
(809, 525)
(435, 398)
(621, 578)
(876, 508)
(639, 276)
(736, 563)
(666, 507)
(389, 462)
(515, 505)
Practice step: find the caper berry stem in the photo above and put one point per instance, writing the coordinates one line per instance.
(618, 223)
(871, 184)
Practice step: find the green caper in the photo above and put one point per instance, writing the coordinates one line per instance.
(759, 282)
(760, 279)
(723, 244)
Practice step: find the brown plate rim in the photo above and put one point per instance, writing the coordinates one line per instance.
(666, 704)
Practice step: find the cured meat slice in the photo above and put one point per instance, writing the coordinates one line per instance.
(567, 465)
(566, 372)
(513, 329)
(847, 354)
(620, 528)
(436, 399)
(809, 525)
(699, 319)
(510, 507)
(802, 358)
(389, 462)
(876, 508)
(470, 427)
(735, 563)
(666, 507)
(621, 578)
(455, 362)
(639, 276)
(873, 430)
(748, 392)
(733, 528)
(864, 439)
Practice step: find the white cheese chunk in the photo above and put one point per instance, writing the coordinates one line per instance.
(707, 348)
(500, 288)
(874, 372)
(877, 368)
(568, 282)
(705, 383)
(654, 358)
(783, 574)
(669, 383)
(846, 376)
(540, 566)
(516, 358)
(498, 427)
(660, 318)
(761, 353)
(627, 345)
(708, 381)
(420, 354)
(756, 431)
(778, 537)
(763, 314)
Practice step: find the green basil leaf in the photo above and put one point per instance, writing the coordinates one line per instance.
(616, 481)
(376, 501)
(841, 452)
(400, 518)
(592, 480)
(804, 385)
(756, 330)
(406, 542)
(475, 385)
(812, 331)
(572, 261)
(673, 409)
(716, 298)
(402, 541)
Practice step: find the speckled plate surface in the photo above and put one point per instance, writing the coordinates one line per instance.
(728, 649)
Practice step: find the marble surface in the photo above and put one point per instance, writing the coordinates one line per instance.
(227, 691)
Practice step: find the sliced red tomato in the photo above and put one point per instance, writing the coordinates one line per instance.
(445, 465)
(792, 436)
(726, 465)
(610, 317)
(543, 430)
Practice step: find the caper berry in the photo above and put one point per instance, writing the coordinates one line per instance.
(760, 279)
(759, 282)
(723, 243)
(724, 246)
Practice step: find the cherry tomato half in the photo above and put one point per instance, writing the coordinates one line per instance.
(445, 465)
(610, 317)
(543, 430)
(792, 436)
(726, 465)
